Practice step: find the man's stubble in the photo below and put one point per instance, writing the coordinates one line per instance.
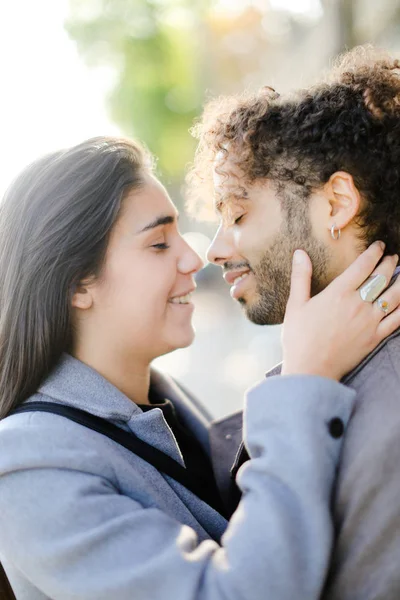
(273, 271)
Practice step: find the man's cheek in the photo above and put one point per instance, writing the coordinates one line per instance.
(243, 245)
(237, 240)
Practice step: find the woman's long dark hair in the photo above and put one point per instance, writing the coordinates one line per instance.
(55, 222)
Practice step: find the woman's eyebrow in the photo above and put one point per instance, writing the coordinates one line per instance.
(161, 220)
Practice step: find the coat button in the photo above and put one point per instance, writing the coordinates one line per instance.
(336, 427)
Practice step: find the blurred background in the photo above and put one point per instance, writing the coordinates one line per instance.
(72, 69)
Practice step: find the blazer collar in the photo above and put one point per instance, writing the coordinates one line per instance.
(76, 384)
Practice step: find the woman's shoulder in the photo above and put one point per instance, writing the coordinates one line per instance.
(46, 440)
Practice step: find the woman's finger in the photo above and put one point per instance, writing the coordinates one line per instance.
(389, 324)
(361, 268)
(388, 301)
(300, 284)
(379, 279)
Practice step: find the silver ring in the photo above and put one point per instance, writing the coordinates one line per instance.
(383, 305)
(372, 288)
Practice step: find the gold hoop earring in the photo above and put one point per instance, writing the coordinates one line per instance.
(335, 232)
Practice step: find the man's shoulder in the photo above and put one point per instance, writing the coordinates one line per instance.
(384, 358)
(375, 424)
(366, 508)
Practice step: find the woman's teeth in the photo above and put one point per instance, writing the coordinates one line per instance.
(181, 299)
(240, 278)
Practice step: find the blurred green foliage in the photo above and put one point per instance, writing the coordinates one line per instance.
(154, 47)
(169, 56)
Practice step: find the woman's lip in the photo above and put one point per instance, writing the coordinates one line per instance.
(183, 294)
(237, 287)
(187, 305)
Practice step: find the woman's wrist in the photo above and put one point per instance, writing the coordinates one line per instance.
(318, 370)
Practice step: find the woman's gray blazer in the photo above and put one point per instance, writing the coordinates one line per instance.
(82, 518)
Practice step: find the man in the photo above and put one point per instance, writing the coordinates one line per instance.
(319, 170)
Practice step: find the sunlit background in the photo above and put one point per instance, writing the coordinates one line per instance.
(72, 69)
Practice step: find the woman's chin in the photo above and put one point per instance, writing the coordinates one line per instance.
(180, 340)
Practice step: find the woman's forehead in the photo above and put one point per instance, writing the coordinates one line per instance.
(143, 208)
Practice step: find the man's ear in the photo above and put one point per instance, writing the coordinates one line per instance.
(344, 198)
(82, 297)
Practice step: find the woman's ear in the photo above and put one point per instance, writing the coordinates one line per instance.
(344, 198)
(82, 297)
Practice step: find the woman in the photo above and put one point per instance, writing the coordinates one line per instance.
(95, 283)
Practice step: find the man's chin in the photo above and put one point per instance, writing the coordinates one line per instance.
(260, 314)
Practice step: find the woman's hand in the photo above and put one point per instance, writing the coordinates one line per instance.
(332, 332)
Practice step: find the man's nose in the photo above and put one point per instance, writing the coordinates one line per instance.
(221, 248)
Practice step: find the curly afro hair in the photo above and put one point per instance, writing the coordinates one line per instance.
(348, 122)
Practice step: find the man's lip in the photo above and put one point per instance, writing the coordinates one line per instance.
(183, 293)
(230, 276)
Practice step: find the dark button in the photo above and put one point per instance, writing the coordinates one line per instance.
(336, 427)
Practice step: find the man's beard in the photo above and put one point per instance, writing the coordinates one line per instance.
(273, 271)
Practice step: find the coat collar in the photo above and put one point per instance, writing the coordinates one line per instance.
(74, 383)
(352, 374)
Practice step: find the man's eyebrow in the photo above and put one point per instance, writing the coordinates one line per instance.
(226, 199)
(161, 220)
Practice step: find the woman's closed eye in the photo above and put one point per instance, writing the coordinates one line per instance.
(161, 246)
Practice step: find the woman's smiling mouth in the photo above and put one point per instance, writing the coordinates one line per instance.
(181, 299)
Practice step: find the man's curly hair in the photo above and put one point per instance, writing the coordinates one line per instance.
(349, 122)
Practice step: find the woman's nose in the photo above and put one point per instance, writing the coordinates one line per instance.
(190, 261)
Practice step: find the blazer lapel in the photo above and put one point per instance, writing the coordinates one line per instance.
(191, 412)
(226, 447)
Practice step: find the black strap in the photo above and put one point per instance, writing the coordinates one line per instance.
(6, 592)
(129, 440)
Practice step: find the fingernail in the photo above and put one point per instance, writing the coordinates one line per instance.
(382, 245)
(298, 257)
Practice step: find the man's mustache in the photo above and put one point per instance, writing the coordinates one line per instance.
(230, 266)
